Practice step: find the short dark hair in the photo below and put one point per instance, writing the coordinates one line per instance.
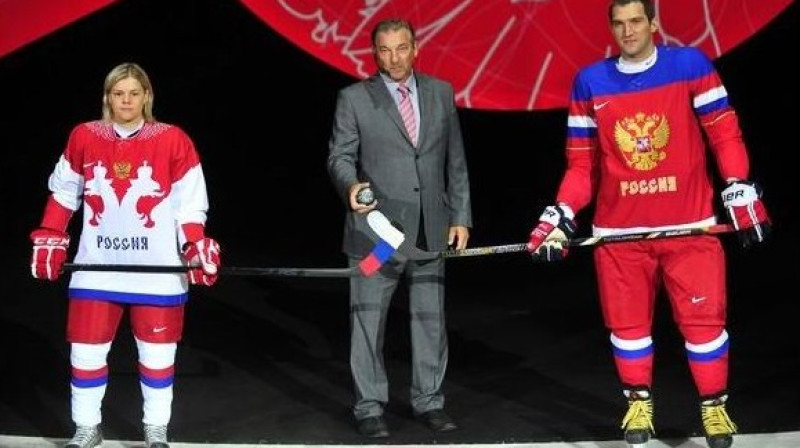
(649, 8)
(393, 24)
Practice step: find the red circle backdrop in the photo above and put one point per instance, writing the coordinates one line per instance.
(503, 54)
(499, 54)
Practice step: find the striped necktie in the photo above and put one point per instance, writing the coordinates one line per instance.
(407, 113)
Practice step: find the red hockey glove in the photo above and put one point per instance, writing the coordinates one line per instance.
(204, 254)
(49, 253)
(548, 240)
(742, 201)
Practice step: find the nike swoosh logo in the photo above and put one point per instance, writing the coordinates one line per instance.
(601, 105)
(159, 329)
(698, 299)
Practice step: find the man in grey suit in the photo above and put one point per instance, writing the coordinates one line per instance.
(398, 133)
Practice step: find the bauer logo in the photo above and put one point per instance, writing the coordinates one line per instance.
(738, 194)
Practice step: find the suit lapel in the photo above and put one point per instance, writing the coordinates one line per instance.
(425, 99)
(383, 100)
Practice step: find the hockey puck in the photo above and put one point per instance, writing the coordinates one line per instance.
(365, 196)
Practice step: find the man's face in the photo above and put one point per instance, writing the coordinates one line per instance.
(127, 99)
(395, 53)
(633, 31)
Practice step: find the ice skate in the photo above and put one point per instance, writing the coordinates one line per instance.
(86, 437)
(717, 425)
(638, 421)
(155, 436)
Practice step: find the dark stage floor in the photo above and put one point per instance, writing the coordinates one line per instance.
(265, 360)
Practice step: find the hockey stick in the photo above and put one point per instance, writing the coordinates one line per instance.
(389, 239)
(223, 270)
(412, 252)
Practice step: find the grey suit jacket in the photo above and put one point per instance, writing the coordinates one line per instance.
(369, 143)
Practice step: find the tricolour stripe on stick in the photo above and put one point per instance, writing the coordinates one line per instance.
(389, 239)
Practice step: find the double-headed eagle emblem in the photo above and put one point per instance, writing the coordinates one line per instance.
(641, 139)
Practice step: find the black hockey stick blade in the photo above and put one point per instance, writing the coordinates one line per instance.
(223, 270)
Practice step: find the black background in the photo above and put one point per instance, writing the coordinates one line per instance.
(259, 110)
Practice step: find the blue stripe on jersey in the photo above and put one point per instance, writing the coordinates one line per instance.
(576, 132)
(709, 355)
(605, 79)
(129, 297)
(157, 383)
(631, 348)
(90, 382)
(716, 105)
(633, 354)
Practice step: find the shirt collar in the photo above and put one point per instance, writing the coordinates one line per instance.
(411, 83)
(629, 67)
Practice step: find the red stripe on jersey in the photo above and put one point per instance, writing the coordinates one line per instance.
(156, 373)
(83, 374)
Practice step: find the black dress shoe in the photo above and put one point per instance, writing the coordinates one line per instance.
(373, 427)
(438, 421)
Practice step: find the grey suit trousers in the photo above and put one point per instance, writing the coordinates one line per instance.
(370, 298)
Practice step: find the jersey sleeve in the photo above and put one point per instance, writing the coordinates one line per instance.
(578, 184)
(66, 181)
(718, 119)
(189, 188)
(65, 184)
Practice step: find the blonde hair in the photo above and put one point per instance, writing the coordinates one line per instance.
(123, 71)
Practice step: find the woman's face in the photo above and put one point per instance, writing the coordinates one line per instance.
(127, 99)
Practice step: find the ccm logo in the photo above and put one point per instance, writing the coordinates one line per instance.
(51, 241)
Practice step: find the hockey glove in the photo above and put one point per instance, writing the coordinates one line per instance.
(548, 241)
(204, 254)
(49, 253)
(742, 201)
